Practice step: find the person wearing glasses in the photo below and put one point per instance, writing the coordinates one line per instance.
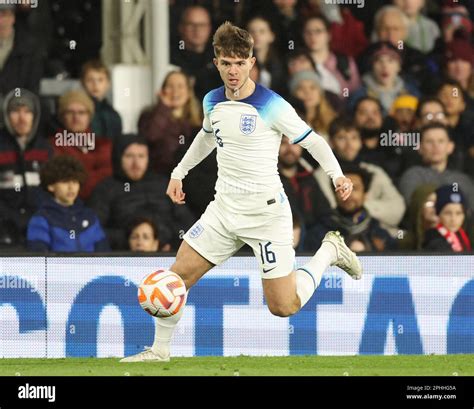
(76, 138)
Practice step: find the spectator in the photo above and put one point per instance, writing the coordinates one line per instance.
(170, 125)
(143, 235)
(459, 115)
(423, 31)
(454, 19)
(193, 51)
(285, 19)
(382, 200)
(392, 25)
(95, 78)
(347, 33)
(459, 57)
(305, 196)
(132, 191)
(318, 113)
(21, 64)
(338, 73)
(403, 112)
(430, 109)
(301, 60)
(383, 81)
(75, 138)
(271, 70)
(449, 235)
(435, 148)
(23, 151)
(368, 118)
(63, 223)
(421, 217)
(361, 231)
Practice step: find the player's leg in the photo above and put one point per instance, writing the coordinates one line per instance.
(206, 244)
(190, 266)
(287, 294)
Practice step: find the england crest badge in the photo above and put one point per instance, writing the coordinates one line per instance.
(248, 123)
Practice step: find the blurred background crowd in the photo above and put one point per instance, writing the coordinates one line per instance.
(389, 85)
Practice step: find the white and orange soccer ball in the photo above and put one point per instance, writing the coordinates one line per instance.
(162, 293)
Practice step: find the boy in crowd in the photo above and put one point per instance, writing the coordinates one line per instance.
(95, 78)
(63, 223)
(448, 235)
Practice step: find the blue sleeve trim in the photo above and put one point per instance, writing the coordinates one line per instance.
(300, 138)
(205, 130)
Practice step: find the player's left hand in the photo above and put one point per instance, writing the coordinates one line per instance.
(343, 187)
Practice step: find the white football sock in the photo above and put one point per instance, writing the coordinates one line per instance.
(309, 276)
(164, 329)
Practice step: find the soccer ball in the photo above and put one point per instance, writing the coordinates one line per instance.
(162, 293)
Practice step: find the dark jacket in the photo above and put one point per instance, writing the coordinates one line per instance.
(118, 200)
(167, 138)
(65, 228)
(23, 67)
(106, 121)
(20, 194)
(435, 241)
(366, 229)
(305, 196)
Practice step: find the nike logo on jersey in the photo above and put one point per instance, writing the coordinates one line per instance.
(215, 122)
(270, 269)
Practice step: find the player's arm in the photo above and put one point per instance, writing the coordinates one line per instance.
(286, 120)
(201, 147)
(321, 151)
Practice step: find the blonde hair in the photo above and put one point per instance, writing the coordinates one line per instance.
(324, 116)
(232, 41)
(192, 108)
(75, 96)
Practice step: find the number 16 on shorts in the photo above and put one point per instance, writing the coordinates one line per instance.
(268, 256)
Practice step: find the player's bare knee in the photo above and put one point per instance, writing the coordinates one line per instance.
(283, 310)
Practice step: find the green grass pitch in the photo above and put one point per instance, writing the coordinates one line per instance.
(399, 365)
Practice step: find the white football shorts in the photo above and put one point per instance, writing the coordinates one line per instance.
(267, 229)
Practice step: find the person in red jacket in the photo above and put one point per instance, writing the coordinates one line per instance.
(75, 138)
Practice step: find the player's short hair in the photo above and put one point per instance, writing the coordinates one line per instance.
(354, 169)
(62, 168)
(94, 65)
(341, 123)
(232, 41)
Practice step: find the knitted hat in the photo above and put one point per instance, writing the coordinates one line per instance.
(405, 101)
(26, 98)
(302, 76)
(446, 195)
(384, 48)
(75, 96)
(460, 49)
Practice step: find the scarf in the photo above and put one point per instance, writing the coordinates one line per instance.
(453, 239)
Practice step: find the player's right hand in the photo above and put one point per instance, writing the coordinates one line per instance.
(175, 191)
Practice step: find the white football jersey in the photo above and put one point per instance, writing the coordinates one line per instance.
(248, 135)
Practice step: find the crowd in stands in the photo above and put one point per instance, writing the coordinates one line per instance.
(390, 86)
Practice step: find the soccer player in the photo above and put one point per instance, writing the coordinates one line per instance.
(245, 122)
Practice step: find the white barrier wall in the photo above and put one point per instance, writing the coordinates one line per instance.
(87, 306)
